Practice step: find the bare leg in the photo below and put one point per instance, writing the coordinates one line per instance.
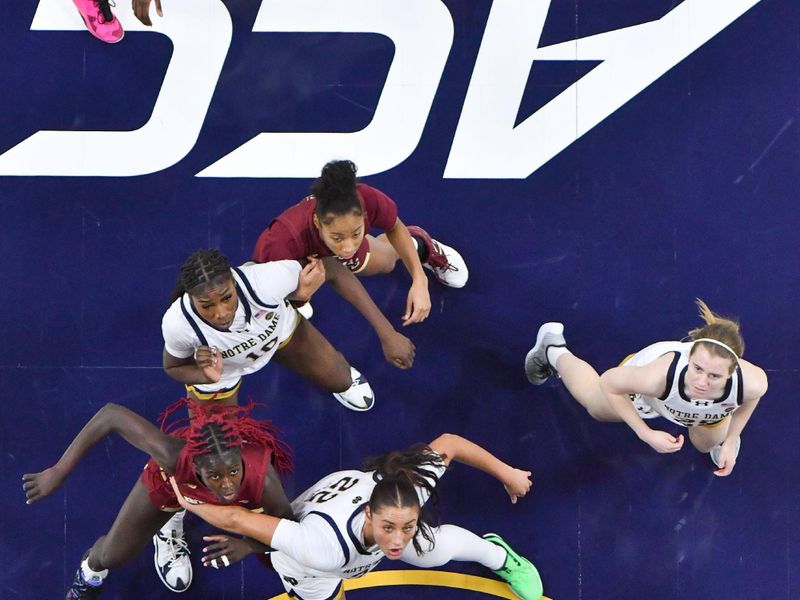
(583, 382)
(136, 523)
(705, 438)
(313, 357)
(382, 256)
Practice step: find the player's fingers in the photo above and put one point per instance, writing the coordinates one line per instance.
(217, 537)
(215, 555)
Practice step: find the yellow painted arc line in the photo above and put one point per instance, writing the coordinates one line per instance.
(459, 581)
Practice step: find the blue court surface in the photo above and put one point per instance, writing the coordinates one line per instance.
(601, 163)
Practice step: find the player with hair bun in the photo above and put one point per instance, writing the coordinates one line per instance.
(702, 383)
(334, 222)
(222, 456)
(350, 520)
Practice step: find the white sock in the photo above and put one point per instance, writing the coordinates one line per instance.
(93, 578)
(175, 522)
(456, 543)
(554, 353)
(416, 243)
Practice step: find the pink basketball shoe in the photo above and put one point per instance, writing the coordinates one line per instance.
(99, 19)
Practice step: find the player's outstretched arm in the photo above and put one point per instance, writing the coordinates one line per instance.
(231, 518)
(418, 301)
(454, 447)
(111, 418)
(397, 348)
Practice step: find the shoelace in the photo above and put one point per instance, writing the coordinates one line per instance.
(177, 548)
(439, 261)
(105, 9)
(511, 563)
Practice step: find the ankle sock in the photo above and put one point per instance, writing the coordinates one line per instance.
(93, 578)
(554, 353)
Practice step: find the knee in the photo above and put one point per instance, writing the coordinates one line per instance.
(379, 265)
(704, 439)
(703, 446)
(602, 415)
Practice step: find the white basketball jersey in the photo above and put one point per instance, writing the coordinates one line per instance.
(263, 320)
(332, 514)
(673, 403)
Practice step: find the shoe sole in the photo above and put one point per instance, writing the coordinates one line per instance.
(354, 407)
(558, 329)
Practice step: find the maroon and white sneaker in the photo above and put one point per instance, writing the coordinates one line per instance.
(445, 262)
(99, 19)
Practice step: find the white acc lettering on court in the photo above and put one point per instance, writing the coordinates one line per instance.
(486, 144)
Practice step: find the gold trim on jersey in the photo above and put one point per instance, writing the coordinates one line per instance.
(296, 325)
(364, 264)
(713, 425)
(217, 395)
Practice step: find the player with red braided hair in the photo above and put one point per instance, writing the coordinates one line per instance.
(221, 456)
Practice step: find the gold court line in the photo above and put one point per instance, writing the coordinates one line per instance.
(473, 583)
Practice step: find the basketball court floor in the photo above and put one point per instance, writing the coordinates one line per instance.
(602, 164)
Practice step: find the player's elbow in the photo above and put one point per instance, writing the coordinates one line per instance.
(447, 444)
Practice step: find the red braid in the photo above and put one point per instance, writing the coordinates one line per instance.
(237, 427)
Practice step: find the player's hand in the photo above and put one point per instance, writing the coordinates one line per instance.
(311, 278)
(399, 350)
(40, 485)
(663, 442)
(224, 551)
(727, 459)
(418, 303)
(209, 359)
(141, 8)
(518, 484)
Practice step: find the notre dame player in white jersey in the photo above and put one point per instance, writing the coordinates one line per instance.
(227, 322)
(350, 520)
(703, 384)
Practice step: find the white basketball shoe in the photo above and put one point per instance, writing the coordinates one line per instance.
(359, 396)
(171, 558)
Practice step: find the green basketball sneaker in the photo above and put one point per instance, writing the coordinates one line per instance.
(518, 572)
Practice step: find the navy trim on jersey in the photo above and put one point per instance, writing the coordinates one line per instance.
(195, 326)
(740, 388)
(353, 536)
(252, 292)
(338, 533)
(247, 312)
(671, 376)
